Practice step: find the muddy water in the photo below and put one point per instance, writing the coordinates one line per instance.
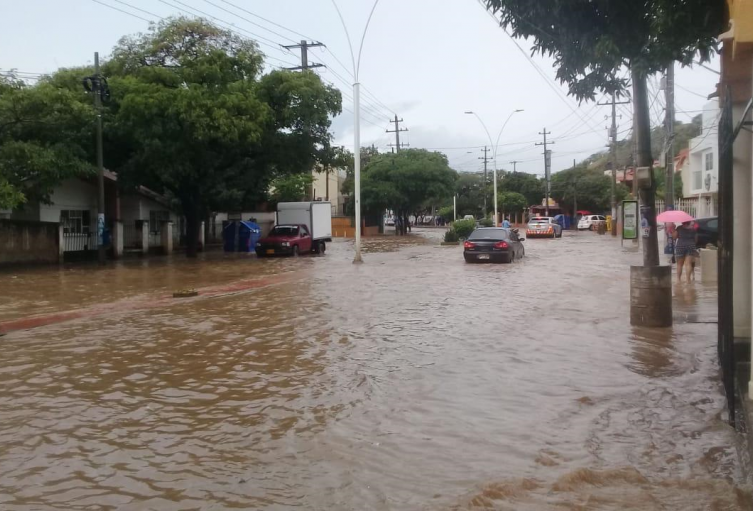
(413, 381)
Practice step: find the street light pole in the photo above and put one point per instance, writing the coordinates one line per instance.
(356, 123)
(494, 151)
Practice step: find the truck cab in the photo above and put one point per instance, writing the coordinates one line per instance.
(288, 239)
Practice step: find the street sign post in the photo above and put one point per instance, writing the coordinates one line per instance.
(629, 219)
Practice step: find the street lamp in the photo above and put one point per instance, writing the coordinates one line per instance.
(356, 123)
(494, 150)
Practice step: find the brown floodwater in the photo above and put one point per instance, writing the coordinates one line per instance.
(413, 381)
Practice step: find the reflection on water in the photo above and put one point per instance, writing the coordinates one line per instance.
(412, 381)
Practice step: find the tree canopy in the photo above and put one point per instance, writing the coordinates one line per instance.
(193, 118)
(406, 182)
(590, 187)
(45, 137)
(590, 40)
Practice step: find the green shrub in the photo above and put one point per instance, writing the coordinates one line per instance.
(446, 213)
(486, 222)
(464, 228)
(451, 236)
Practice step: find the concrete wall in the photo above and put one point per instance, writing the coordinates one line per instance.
(28, 242)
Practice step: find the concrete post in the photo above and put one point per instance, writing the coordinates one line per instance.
(651, 296)
(61, 244)
(145, 236)
(709, 265)
(167, 237)
(117, 239)
(202, 237)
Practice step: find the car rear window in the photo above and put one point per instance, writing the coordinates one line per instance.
(489, 234)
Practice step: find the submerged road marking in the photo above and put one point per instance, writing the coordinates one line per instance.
(164, 300)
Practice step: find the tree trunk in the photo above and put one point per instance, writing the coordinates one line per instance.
(647, 195)
(193, 226)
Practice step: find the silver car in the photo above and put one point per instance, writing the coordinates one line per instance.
(543, 227)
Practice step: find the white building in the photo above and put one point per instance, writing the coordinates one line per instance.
(700, 177)
(327, 187)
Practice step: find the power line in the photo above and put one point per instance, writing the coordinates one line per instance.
(704, 96)
(121, 10)
(248, 20)
(267, 20)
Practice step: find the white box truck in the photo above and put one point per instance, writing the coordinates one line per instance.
(315, 216)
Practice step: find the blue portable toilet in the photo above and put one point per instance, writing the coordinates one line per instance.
(563, 220)
(248, 234)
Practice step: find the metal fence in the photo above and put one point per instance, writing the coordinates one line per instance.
(132, 237)
(79, 242)
(155, 239)
(694, 207)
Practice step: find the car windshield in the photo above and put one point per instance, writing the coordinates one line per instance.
(538, 221)
(489, 234)
(285, 230)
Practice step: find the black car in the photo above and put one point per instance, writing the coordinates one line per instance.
(707, 230)
(493, 245)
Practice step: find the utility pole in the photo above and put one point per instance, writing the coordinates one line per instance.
(304, 46)
(613, 157)
(547, 167)
(397, 131)
(514, 165)
(97, 85)
(669, 183)
(486, 159)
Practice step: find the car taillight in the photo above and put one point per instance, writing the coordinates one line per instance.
(696, 226)
(468, 244)
(501, 244)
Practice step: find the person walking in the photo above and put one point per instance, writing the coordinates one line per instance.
(506, 223)
(685, 249)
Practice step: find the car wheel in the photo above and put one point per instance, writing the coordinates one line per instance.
(295, 251)
(591, 227)
(322, 247)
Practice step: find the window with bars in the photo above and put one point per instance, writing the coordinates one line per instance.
(75, 221)
(156, 217)
(709, 161)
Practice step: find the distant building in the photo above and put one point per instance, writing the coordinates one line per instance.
(327, 186)
(700, 173)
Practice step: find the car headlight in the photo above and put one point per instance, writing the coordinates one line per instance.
(258, 244)
(285, 244)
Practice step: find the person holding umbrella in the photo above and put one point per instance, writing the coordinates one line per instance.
(685, 238)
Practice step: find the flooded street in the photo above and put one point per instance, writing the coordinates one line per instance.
(413, 381)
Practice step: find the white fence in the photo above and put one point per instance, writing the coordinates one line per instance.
(696, 207)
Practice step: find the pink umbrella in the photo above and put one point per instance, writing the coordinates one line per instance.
(674, 216)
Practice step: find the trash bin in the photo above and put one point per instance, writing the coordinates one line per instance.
(246, 233)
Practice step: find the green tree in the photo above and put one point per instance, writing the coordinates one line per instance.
(406, 182)
(527, 185)
(45, 138)
(591, 41)
(590, 187)
(291, 187)
(469, 189)
(192, 118)
(511, 202)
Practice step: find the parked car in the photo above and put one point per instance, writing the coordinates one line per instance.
(493, 245)
(590, 222)
(707, 230)
(543, 227)
(389, 221)
(302, 227)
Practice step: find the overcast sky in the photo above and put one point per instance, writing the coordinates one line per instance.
(426, 60)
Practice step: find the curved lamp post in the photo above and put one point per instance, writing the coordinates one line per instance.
(356, 123)
(494, 151)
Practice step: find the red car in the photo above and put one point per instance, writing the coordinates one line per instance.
(290, 239)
